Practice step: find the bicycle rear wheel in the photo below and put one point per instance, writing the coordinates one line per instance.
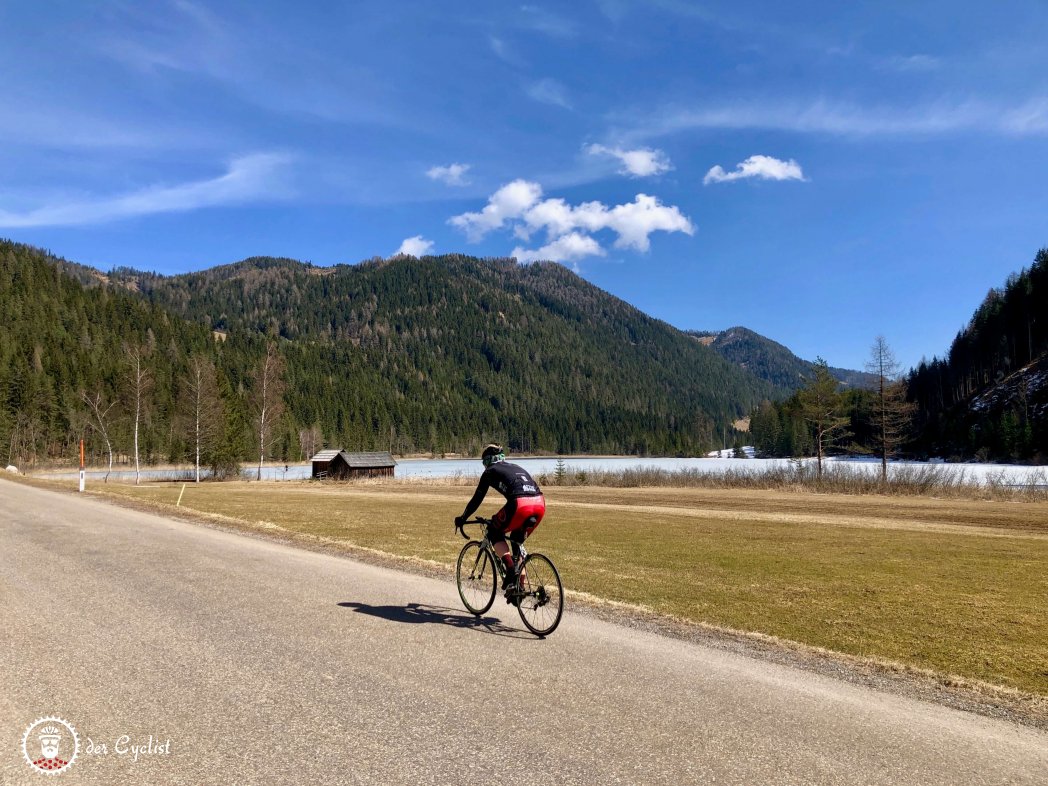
(475, 576)
(540, 596)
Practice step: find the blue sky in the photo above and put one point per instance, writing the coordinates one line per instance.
(820, 172)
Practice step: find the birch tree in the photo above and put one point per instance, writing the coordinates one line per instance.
(268, 398)
(139, 385)
(99, 411)
(310, 439)
(892, 414)
(204, 407)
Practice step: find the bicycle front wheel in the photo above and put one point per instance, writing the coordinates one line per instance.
(475, 576)
(540, 596)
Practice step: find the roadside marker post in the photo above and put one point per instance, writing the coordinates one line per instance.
(183, 491)
(82, 475)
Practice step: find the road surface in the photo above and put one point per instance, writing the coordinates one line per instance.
(249, 661)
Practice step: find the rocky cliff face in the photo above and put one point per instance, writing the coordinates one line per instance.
(1024, 391)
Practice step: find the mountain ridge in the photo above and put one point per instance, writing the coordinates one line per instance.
(431, 355)
(771, 361)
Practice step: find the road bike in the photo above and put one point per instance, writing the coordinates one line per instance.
(537, 592)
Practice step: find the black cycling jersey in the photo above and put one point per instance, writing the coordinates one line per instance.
(509, 480)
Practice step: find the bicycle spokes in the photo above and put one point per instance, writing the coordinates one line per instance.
(475, 576)
(542, 596)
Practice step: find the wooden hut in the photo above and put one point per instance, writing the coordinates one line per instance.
(337, 464)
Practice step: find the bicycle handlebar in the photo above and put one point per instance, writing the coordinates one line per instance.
(477, 520)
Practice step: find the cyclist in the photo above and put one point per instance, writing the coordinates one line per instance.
(524, 508)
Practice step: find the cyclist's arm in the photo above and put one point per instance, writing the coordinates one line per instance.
(478, 495)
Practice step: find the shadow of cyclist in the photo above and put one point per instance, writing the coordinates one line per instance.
(421, 612)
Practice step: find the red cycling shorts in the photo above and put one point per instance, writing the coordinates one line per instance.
(520, 516)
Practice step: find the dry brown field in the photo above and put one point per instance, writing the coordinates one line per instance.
(958, 587)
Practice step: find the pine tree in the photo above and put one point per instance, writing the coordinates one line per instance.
(766, 429)
(232, 440)
(820, 402)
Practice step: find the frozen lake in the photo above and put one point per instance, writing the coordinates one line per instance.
(444, 468)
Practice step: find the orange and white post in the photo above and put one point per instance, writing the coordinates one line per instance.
(81, 466)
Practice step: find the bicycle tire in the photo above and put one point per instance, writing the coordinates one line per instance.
(475, 577)
(540, 595)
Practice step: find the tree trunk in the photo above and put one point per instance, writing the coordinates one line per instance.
(262, 445)
(268, 396)
(138, 470)
(198, 441)
(884, 433)
(139, 387)
(818, 451)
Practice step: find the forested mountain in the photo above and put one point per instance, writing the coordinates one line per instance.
(446, 349)
(987, 399)
(437, 354)
(61, 341)
(770, 360)
(989, 395)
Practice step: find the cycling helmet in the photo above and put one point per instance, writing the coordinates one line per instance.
(492, 454)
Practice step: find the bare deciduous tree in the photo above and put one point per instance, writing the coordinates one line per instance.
(139, 384)
(311, 440)
(23, 443)
(99, 410)
(204, 406)
(891, 412)
(268, 398)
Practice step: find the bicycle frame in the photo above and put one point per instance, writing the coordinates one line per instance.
(517, 549)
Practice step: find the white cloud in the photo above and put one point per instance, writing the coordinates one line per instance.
(911, 63)
(180, 35)
(506, 204)
(569, 228)
(416, 246)
(451, 175)
(633, 222)
(823, 117)
(549, 91)
(763, 167)
(1030, 118)
(567, 248)
(250, 178)
(642, 162)
(261, 58)
(501, 50)
(636, 220)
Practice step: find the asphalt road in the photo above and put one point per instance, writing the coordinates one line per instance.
(262, 663)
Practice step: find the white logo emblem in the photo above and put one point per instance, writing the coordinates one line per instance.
(50, 745)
